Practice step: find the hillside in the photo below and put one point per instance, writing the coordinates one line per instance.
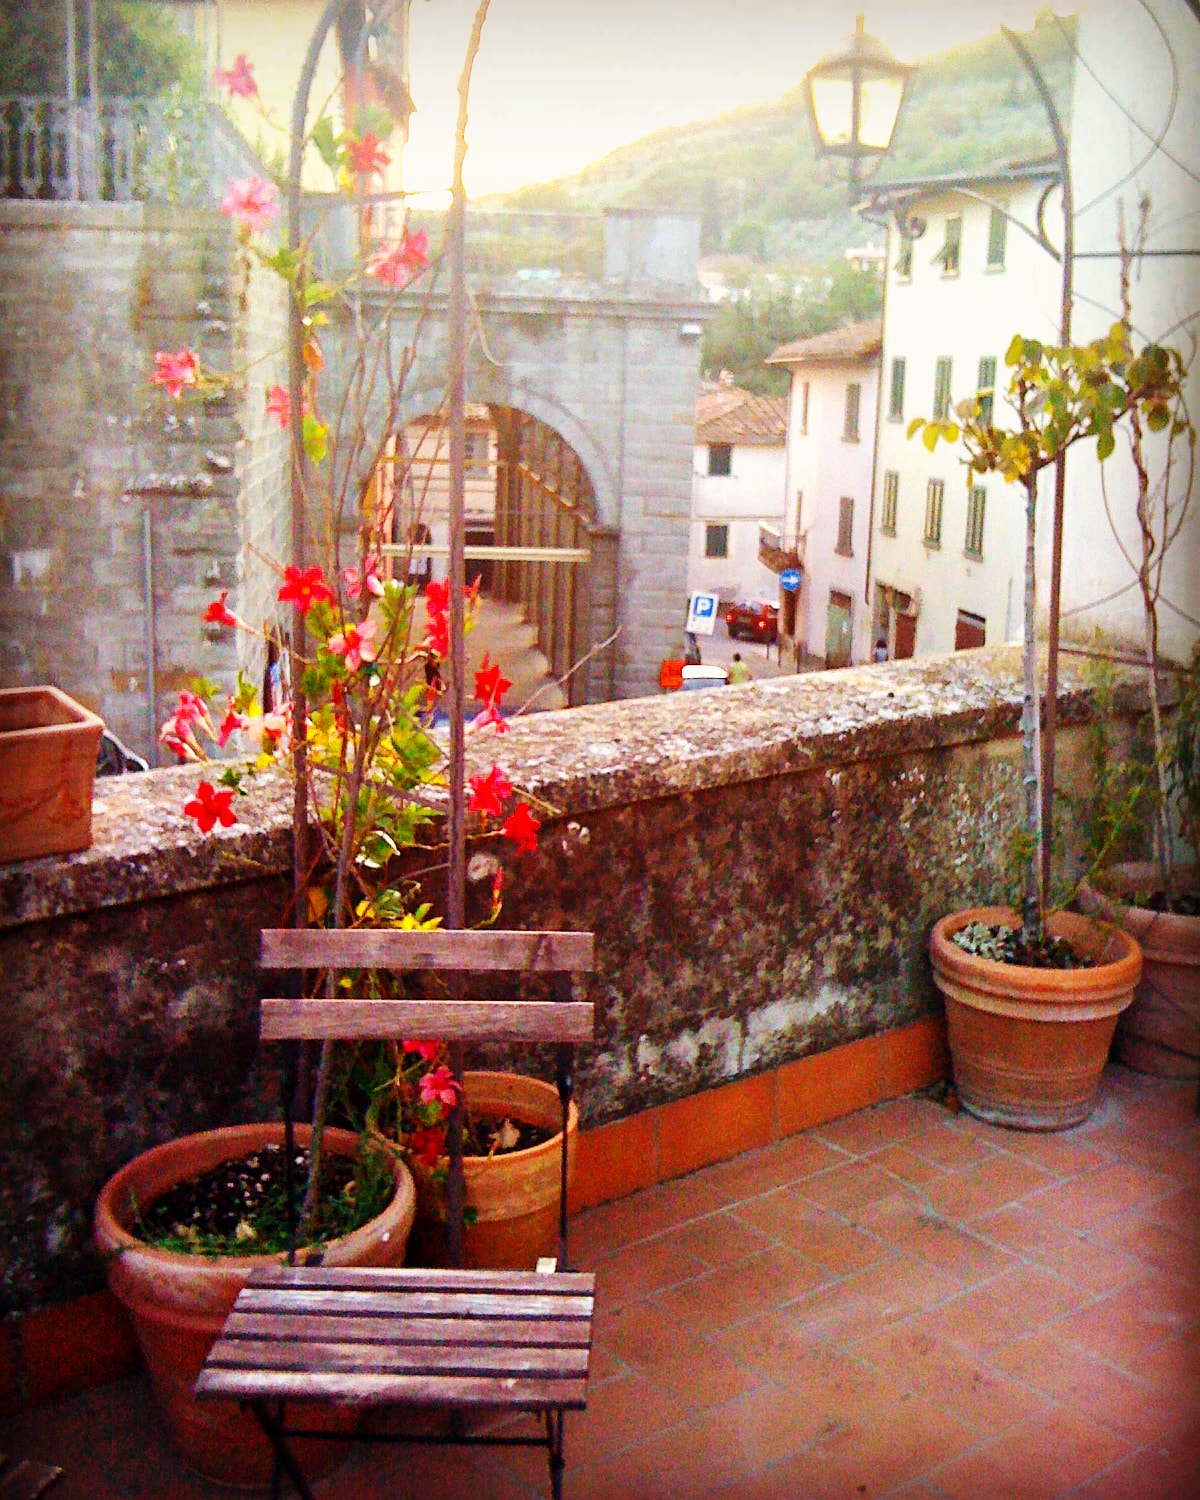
(754, 176)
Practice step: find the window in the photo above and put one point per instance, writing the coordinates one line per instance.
(948, 256)
(941, 390)
(845, 536)
(970, 631)
(976, 504)
(904, 259)
(997, 238)
(933, 512)
(716, 541)
(985, 391)
(804, 390)
(896, 394)
(891, 494)
(720, 459)
(853, 403)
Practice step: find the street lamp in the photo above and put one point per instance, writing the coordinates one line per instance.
(854, 99)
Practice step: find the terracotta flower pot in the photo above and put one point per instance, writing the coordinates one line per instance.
(1160, 1032)
(48, 745)
(514, 1195)
(1028, 1046)
(179, 1302)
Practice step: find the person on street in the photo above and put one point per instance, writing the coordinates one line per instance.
(738, 670)
(881, 650)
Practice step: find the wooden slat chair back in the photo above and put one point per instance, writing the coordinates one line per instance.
(453, 1339)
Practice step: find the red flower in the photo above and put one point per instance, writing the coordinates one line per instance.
(210, 807)
(398, 266)
(231, 722)
(174, 371)
(239, 79)
(488, 793)
(437, 597)
(365, 157)
(522, 826)
(490, 683)
(252, 201)
(426, 1144)
(428, 1050)
(304, 588)
(438, 638)
(218, 614)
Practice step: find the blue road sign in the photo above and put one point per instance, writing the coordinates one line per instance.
(789, 580)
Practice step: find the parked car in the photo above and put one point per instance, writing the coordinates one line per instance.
(752, 620)
(705, 676)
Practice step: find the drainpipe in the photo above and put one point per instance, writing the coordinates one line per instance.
(148, 620)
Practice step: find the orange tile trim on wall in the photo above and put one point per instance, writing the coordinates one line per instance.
(87, 1342)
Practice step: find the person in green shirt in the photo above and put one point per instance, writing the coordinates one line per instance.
(738, 670)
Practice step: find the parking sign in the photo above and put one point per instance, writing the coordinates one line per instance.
(702, 614)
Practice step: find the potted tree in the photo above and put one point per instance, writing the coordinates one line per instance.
(370, 789)
(1033, 996)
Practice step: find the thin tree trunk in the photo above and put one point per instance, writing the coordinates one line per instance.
(1032, 910)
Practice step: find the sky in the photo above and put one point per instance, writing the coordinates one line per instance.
(560, 83)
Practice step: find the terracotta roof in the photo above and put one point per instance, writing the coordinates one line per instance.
(727, 414)
(856, 341)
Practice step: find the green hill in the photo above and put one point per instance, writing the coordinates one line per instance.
(754, 176)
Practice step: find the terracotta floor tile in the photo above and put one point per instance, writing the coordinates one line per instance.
(1179, 1211)
(831, 1384)
(870, 1130)
(620, 1414)
(1174, 1365)
(898, 1444)
(953, 1142)
(1167, 1469)
(721, 1299)
(1151, 1243)
(1040, 1459)
(914, 1230)
(849, 1186)
(966, 1386)
(1007, 1307)
(641, 1215)
(716, 1241)
(1091, 1387)
(993, 1184)
(634, 1271)
(1125, 1324)
(1064, 1153)
(860, 1305)
(1037, 1237)
(907, 1166)
(1095, 1196)
(774, 1166)
(694, 1371)
(820, 1233)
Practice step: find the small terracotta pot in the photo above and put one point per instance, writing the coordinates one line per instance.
(1029, 1045)
(1160, 1032)
(514, 1195)
(48, 746)
(178, 1302)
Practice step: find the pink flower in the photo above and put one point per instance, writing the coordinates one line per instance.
(210, 807)
(369, 580)
(398, 266)
(177, 736)
(192, 709)
(239, 79)
(279, 405)
(232, 722)
(252, 202)
(522, 826)
(365, 157)
(488, 793)
(428, 1050)
(218, 614)
(174, 371)
(490, 718)
(355, 644)
(439, 1086)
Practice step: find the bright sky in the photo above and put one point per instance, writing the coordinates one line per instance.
(560, 83)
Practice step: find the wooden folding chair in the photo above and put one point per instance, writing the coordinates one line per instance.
(459, 1340)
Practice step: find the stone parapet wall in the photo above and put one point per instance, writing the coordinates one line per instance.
(761, 866)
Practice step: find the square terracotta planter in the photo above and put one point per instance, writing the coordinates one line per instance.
(48, 746)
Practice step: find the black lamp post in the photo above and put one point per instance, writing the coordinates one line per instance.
(854, 98)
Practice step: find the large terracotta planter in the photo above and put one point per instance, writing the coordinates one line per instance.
(48, 746)
(1160, 1032)
(514, 1196)
(1028, 1046)
(179, 1302)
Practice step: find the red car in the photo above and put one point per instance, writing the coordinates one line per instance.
(752, 620)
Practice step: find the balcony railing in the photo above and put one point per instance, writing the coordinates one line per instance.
(777, 552)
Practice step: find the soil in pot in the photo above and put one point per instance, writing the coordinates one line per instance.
(512, 1196)
(179, 1301)
(1028, 1044)
(1160, 1032)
